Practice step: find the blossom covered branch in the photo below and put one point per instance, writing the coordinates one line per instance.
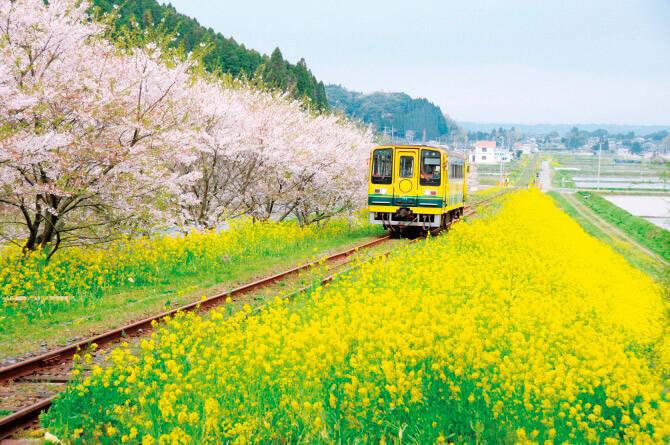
(96, 140)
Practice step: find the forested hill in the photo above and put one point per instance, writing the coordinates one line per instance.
(226, 55)
(393, 111)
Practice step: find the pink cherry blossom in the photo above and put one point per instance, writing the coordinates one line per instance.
(96, 140)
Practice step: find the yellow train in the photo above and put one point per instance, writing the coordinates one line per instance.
(415, 186)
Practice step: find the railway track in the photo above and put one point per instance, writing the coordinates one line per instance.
(55, 366)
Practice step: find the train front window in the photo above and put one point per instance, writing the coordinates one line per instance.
(430, 168)
(382, 163)
(406, 166)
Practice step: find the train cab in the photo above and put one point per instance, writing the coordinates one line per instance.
(415, 186)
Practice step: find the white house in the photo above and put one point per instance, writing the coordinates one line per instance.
(486, 152)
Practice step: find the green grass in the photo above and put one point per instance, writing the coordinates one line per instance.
(633, 255)
(563, 179)
(587, 225)
(24, 331)
(524, 174)
(519, 171)
(336, 365)
(647, 234)
(488, 180)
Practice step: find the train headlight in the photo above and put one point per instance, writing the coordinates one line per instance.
(430, 193)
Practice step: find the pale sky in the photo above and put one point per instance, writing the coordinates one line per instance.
(578, 61)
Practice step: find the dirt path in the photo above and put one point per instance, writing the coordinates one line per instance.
(609, 228)
(545, 177)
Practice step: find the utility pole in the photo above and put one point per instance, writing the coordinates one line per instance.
(500, 180)
(600, 146)
(501, 162)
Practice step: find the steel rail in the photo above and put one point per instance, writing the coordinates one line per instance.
(24, 417)
(20, 419)
(11, 423)
(54, 357)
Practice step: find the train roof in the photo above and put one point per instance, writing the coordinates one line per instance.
(450, 153)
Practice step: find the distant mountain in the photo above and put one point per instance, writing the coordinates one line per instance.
(640, 130)
(227, 55)
(395, 112)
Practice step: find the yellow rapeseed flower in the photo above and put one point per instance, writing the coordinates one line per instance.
(517, 326)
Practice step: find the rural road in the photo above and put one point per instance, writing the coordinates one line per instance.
(545, 176)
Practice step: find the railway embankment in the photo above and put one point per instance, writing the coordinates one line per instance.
(642, 254)
(33, 383)
(538, 312)
(83, 291)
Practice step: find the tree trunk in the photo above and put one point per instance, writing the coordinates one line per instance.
(41, 239)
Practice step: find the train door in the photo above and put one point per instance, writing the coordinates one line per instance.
(406, 186)
(453, 187)
(380, 190)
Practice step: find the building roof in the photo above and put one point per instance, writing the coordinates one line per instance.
(487, 144)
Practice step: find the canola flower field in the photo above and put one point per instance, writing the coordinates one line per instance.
(513, 328)
(483, 194)
(86, 273)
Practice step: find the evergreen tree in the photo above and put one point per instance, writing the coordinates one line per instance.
(275, 72)
(225, 55)
(397, 111)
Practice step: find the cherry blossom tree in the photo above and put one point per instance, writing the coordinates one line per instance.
(340, 170)
(313, 166)
(98, 138)
(88, 130)
(262, 154)
(223, 165)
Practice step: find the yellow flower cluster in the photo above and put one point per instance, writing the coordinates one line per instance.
(84, 272)
(517, 327)
(484, 193)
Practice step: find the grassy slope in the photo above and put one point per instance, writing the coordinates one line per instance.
(82, 320)
(302, 393)
(527, 171)
(511, 170)
(649, 235)
(557, 179)
(634, 256)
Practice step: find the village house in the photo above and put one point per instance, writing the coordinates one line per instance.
(486, 152)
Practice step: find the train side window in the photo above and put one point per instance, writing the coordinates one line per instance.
(430, 168)
(382, 165)
(406, 166)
